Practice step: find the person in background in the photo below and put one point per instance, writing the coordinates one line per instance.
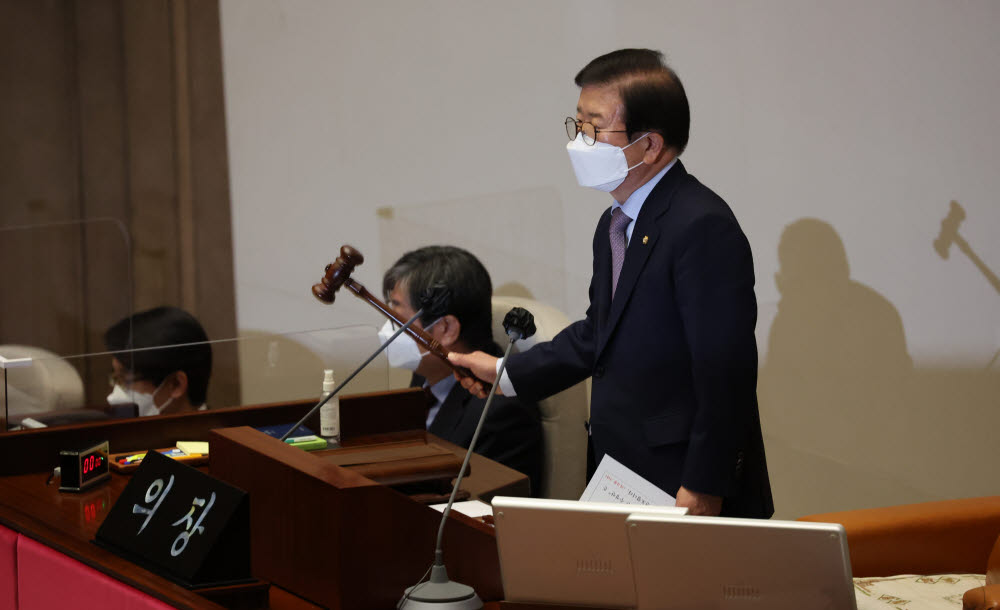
(173, 378)
(512, 432)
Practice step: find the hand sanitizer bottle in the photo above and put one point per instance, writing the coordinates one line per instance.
(329, 414)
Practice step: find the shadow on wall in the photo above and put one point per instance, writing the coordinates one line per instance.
(950, 235)
(848, 422)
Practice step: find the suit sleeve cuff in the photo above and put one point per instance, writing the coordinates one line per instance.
(505, 385)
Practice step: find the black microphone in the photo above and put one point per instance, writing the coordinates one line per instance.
(519, 324)
(439, 591)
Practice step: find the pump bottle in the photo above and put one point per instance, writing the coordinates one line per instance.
(329, 414)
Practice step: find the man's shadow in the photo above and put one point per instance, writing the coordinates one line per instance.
(836, 369)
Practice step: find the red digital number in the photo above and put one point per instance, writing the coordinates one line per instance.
(90, 463)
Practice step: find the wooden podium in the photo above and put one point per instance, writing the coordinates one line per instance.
(340, 539)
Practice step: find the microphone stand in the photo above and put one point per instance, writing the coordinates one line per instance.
(441, 593)
(401, 330)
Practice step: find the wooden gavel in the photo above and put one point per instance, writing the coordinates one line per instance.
(338, 273)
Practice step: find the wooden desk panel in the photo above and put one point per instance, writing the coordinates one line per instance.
(362, 415)
(409, 460)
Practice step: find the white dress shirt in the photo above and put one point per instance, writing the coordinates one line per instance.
(440, 390)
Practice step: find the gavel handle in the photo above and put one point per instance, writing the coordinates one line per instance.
(425, 340)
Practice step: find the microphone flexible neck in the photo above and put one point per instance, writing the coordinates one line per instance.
(438, 555)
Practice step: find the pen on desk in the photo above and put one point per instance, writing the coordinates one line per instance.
(128, 459)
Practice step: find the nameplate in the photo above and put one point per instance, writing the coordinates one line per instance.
(181, 524)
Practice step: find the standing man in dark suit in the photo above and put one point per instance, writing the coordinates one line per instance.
(669, 335)
(512, 432)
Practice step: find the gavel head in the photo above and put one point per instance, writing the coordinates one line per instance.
(337, 272)
(949, 229)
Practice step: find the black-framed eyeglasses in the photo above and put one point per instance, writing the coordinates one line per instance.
(124, 380)
(574, 127)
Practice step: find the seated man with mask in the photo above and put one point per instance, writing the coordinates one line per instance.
(512, 432)
(171, 379)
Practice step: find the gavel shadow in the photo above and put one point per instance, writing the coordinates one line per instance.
(949, 235)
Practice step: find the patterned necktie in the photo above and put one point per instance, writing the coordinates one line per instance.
(619, 222)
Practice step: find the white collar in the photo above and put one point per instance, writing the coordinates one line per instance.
(633, 205)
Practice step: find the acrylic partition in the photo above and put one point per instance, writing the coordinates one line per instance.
(64, 284)
(53, 390)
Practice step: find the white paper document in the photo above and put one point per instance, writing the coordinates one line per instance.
(615, 483)
(472, 508)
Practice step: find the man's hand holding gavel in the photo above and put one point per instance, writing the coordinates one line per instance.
(482, 365)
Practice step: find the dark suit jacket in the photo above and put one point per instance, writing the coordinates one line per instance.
(673, 358)
(511, 435)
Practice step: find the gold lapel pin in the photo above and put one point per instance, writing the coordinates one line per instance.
(645, 239)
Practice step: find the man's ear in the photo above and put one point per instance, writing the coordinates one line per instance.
(654, 149)
(451, 329)
(178, 384)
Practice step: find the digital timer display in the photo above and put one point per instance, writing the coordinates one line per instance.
(93, 465)
(81, 469)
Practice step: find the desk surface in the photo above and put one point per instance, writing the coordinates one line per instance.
(68, 522)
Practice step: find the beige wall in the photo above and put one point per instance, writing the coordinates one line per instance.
(839, 133)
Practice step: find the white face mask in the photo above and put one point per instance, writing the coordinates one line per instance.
(403, 353)
(120, 396)
(600, 166)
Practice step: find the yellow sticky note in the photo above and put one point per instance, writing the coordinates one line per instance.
(193, 447)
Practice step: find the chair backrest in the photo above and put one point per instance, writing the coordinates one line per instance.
(564, 474)
(941, 537)
(48, 384)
